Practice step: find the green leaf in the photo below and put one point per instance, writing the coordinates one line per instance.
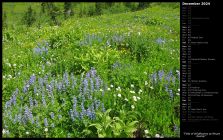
(130, 130)
(132, 124)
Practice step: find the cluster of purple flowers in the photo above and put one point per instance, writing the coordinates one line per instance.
(160, 76)
(41, 48)
(48, 90)
(90, 39)
(169, 77)
(160, 41)
(118, 39)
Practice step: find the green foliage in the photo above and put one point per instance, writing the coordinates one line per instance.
(4, 21)
(29, 17)
(68, 10)
(143, 5)
(126, 49)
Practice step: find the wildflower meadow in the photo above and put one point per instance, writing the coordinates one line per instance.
(107, 76)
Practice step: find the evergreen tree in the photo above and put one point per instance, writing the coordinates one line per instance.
(143, 5)
(53, 12)
(98, 7)
(29, 17)
(68, 11)
(43, 6)
(4, 20)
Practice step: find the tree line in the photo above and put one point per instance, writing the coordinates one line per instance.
(57, 14)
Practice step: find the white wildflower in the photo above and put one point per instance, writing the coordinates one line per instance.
(145, 72)
(178, 89)
(138, 98)
(134, 98)
(126, 99)
(48, 63)
(146, 131)
(108, 89)
(178, 94)
(14, 65)
(9, 76)
(146, 83)
(111, 86)
(132, 91)
(27, 133)
(157, 136)
(101, 90)
(151, 87)
(119, 95)
(3, 131)
(132, 106)
(132, 85)
(118, 89)
(46, 129)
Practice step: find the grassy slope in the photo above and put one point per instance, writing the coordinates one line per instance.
(152, 23)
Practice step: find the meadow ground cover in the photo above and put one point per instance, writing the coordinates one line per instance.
(112, 75)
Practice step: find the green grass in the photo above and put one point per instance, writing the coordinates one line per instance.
(124, 51)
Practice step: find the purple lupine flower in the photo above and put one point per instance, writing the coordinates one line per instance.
(43, 100)
(29, 114)
(35, 102)
(25, 89)
(88, 74)
(97, 83)
(171, 93)
(65, 78)
(59, 86)
(92, 85)
(97, 104)
(93, 114)
(160, 41)
(81, 115)
(19, 118)
(32, 79)
(71, 114)
(35, 90)
(169, 76)
(160, 74)
(31, 101)
(85, 83)
(45, 122)
(154, 77)
(175, 128)
(13, 99)
(108, 43)
(59, 116)
(82, 108)
(52, 115)
(74, 102)
(88, 113)
(178, 74)
(103, 107)
(16, 91)
(45, 79)
(93, 72)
